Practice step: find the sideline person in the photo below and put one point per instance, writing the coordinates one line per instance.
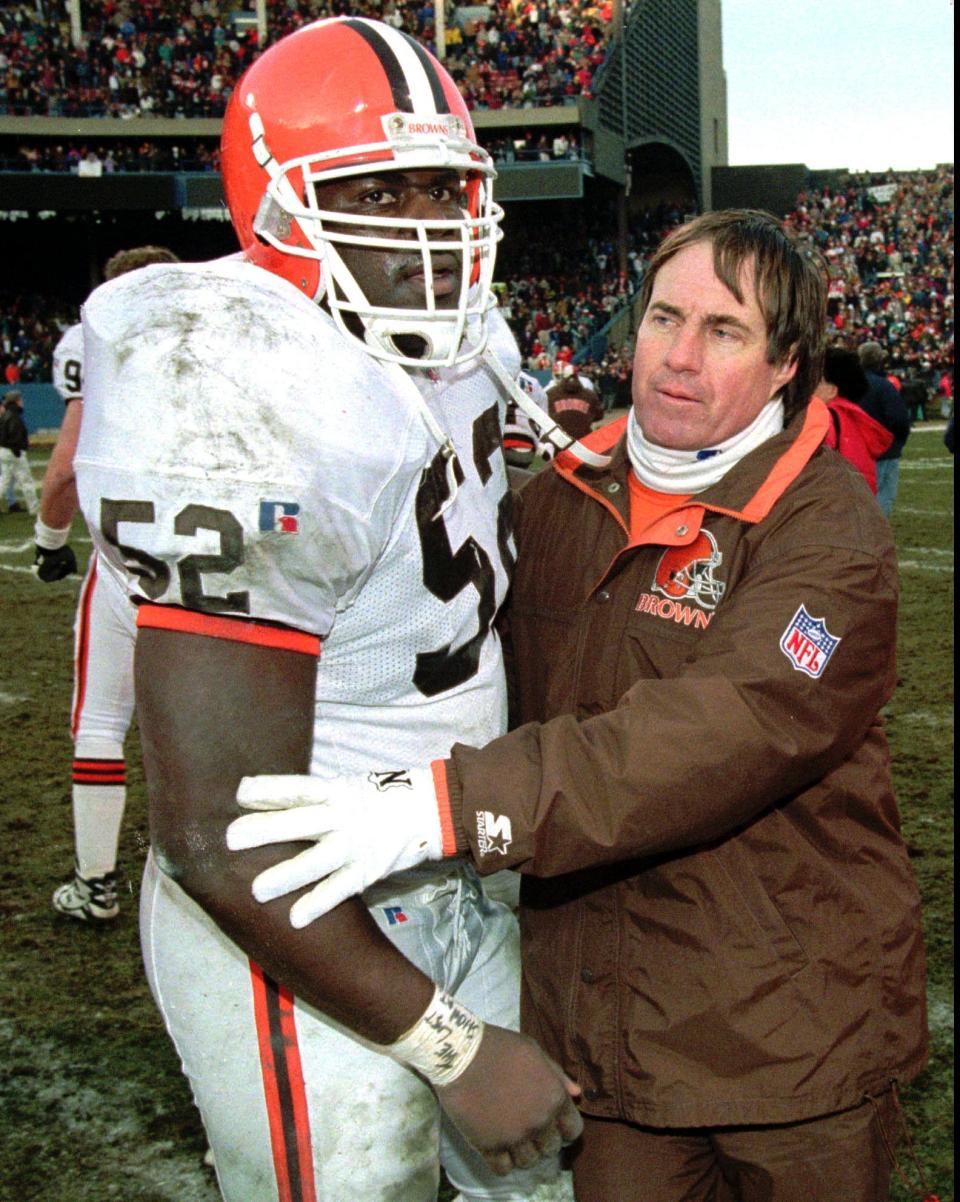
(858, 437)
(317, 532)
(104, 633)
(884, 403)
(722, 938)
(14, 444)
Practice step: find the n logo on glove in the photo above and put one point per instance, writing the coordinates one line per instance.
(389, 780)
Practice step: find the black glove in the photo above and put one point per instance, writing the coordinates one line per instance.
(54, 565)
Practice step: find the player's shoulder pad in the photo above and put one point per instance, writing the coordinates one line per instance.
(229, 365)
(70, 345)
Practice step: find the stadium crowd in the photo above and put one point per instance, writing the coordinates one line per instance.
(119, 155)
(556, 303)
(888, 238)
(165, 58)
(889, 243)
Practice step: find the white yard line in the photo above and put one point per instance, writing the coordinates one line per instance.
(914, 565)
(927, 717)
(9, 547)
(15, 567)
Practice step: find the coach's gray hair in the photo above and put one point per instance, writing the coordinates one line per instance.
(790, 283)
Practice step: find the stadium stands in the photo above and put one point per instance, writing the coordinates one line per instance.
(889, 242)
(888, 239)
(164, 58)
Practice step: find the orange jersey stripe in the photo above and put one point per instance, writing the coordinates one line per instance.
(216, 626)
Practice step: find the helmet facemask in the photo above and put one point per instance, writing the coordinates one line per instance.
(448, 334)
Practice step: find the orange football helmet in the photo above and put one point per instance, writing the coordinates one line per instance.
(350, 96)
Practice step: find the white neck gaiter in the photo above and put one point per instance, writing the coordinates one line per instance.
(692, 471)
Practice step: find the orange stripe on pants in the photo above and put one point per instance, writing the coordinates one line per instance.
(283, 1088)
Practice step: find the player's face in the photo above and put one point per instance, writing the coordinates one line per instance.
(395, 278)
(700, 372)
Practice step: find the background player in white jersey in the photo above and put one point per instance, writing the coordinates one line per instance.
(104, 633)
(295, 455)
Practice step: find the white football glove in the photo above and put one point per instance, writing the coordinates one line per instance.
(365, 828)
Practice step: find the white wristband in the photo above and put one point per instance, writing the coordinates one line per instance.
(49, 538)
(442, 1043)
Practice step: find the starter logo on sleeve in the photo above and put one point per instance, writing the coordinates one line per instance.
(807, 643)
(281, 516)
(494, 832)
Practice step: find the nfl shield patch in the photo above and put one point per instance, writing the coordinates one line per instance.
(807, 643)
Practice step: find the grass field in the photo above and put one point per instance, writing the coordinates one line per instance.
(93, 1102)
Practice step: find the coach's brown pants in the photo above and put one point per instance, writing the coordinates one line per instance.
(841, 1157)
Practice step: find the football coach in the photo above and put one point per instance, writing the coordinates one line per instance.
(721, 930)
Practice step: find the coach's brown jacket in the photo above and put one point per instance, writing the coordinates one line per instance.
(720, 921)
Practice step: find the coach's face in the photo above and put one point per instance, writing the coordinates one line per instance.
(700, 372)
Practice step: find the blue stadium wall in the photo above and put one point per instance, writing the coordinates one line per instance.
(42, 407)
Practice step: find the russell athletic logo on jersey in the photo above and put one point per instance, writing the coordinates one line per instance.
(282, 516)
(683, 575)
(494, 832)
(807, 643)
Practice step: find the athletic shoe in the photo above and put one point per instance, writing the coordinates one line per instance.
(16, 507)
(91, 899)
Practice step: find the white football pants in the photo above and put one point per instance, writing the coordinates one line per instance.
(295, 1109)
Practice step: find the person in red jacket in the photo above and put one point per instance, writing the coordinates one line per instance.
(854, 433)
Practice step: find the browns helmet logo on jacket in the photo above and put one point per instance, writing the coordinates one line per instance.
(687, 573)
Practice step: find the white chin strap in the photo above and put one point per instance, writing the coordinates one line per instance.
(546, 427)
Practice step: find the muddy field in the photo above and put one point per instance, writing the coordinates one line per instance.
(94, 1106)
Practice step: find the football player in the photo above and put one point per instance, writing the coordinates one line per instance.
(104, 632)
(295, 457)
(573, 403)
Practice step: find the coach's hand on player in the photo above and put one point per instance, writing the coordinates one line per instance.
(513, 1103)
(363, 828)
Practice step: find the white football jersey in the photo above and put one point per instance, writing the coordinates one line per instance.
(240, 456)
(68, 363)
